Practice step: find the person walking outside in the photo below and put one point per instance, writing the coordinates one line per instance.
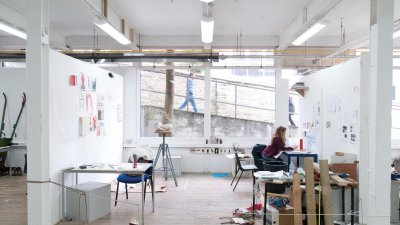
(189, 93)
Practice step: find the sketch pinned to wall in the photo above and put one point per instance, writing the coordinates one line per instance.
(345, 133)
(94, 85)
(93, 123)
(100, 107)
(82, 82)
(100, 131)
(82, 97)
(89, 102)
(331, 103)
(119, 113)
(317, 111)
(353, 133)
(84, 125)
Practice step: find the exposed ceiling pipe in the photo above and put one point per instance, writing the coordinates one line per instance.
(362, 42)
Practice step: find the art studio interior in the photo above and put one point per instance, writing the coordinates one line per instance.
(178, 112)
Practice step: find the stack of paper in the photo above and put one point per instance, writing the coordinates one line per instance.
(279, 175)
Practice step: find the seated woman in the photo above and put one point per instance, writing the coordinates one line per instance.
(277, 144)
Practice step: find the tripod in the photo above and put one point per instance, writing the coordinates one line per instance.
(166, 158)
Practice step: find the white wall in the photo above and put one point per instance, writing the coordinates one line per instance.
(67, 148)
(342, 81)
(12, 83)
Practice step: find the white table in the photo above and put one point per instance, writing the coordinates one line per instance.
(110, 168)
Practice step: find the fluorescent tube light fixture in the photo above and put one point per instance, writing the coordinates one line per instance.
(110, 30)
(207, 1)
(396, 34)
(207, 29)
(309, 33)
(12, 30)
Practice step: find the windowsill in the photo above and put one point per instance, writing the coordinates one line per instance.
(185, 142)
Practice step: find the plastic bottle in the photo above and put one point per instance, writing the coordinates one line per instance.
(301, 144)
(291, 169)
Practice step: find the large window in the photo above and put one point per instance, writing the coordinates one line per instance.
(186, 122)
(243, 102)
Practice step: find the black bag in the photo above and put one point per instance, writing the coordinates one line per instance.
(257, 151)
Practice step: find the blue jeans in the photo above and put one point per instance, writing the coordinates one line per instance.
(191, 100)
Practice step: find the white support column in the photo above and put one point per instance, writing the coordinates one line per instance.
(37, 77)
(281, 99)
(364, 137)
(380, 105)
(131, 103)
(207, 101)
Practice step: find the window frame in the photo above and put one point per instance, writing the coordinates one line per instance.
(187, 142)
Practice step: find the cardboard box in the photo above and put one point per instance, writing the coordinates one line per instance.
(280, 217)
(349, 168)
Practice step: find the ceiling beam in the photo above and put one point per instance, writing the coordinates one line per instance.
(314, 11)
(12, 15)
(104, 8)
(247, 42)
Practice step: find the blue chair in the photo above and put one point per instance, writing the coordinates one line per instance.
(128, 179)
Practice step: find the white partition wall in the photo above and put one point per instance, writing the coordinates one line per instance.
(67, 146)
(336, 93)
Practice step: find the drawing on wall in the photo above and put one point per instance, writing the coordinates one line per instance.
(100, 114)
(89, 100)
(82, 82)
(345, 134)
(353, 133)
(84, 125)
(93, 123)
(119, 113)
(94, 85)
(82, 97)
(316, 111)
(100, 129)
(331, 103)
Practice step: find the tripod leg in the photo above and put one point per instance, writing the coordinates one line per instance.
(158, 155)
(171, 166)
(165, 164)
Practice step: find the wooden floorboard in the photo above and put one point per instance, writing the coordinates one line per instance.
(13, 200)
(199, 199)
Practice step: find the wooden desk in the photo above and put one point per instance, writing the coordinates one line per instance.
(110, 168)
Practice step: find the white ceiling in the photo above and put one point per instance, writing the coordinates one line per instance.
(182, 17)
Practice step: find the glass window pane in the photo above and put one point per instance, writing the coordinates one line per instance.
(188, 97)
(243, 102)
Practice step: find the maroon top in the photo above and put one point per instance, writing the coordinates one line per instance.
(276, 146)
